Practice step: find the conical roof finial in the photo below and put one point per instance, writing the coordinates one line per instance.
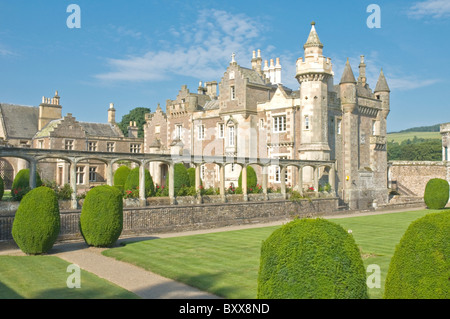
(347, 75)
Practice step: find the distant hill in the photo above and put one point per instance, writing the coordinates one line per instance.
(432, 128)
(409, 135)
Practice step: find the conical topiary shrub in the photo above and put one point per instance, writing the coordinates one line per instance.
(311, 259)
(101, 220)
(120, 177)
(132, 182)
(36, 225)
(436, 193)
(21, 184)
(252, 179)
(420, 267)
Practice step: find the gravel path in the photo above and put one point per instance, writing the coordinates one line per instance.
(143, 283)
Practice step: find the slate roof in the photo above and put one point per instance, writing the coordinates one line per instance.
(212, 105)
(101, 129)
(252, 75)
(20, 121)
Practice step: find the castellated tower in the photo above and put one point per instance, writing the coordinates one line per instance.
(315, 75)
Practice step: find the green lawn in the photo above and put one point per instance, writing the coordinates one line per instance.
(45, 277)
(227, 263)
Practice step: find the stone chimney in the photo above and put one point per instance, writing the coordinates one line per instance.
(111, 114)
(211, 89)
(133, 130)
(49, 110)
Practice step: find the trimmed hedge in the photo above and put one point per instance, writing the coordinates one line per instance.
(252, 180)
(21, 184)
(101, 220)
(37, 222)
(420, 267)
(2, 188)
(311, 259)
(132, 182)
(436, 193)
(120, 177)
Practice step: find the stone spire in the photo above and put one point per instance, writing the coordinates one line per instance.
(382, 85)
(347, 75)
(313, 39)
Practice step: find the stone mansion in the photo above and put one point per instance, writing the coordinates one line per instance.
(248, 113)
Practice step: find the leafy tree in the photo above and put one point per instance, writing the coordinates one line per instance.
(136, 115)
(418, 149)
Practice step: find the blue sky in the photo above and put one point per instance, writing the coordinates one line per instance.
(139, 53)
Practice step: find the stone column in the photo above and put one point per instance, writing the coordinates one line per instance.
(222, 183)
(109, 174)
(172, 183)
(283, 181)
(300, 180)
(332, 179)
(33, 170)
(73, 184)
(244, 182)
(198, 183)
(316, 178)
(142, 198)
(264, 181)
(197, 177)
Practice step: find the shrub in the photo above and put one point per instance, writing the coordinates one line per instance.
(21, 184)
(420, 267)
(37, 222)
(132, 182)
(181, 178)
(191, 173)
(251, 178)
(436, 193)
(62, 193)
(101, 220)
(2, 188)
(311, 259)
(120, 177)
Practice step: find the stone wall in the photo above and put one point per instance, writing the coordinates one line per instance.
(411, 178)
(157, 219)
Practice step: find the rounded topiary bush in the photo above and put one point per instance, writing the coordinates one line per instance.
(2, 188)
(120, 177)
(132, 182)
(311, 259)
(36, 225)
(101, 220)
(436, 193)
(21, 184)
(252, 180)
(420, 267)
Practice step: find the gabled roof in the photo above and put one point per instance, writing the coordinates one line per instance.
(19, 121)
